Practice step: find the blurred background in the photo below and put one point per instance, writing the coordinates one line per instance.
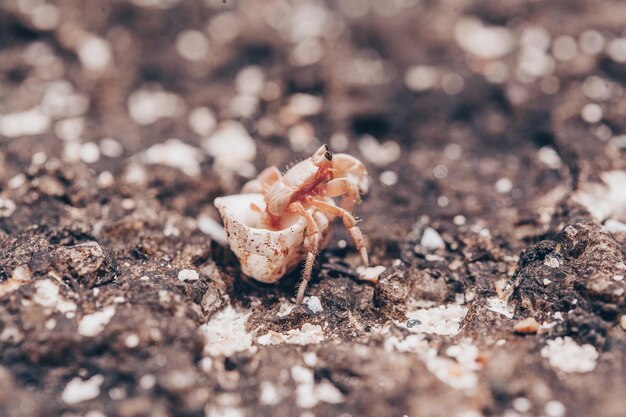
(437, 97)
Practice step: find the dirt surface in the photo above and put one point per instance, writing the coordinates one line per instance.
(494, 134)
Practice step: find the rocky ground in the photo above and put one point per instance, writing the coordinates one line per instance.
(495, 136)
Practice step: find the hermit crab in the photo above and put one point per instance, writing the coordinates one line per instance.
(281, 219)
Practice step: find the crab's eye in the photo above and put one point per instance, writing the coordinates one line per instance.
(328, 155)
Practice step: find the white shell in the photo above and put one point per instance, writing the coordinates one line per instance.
(267, 255)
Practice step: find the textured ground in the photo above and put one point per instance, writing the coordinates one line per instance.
(495, 134)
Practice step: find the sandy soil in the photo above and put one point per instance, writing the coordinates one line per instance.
(494, 134)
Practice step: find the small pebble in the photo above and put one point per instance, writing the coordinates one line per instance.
(89, 153)
(111, 148)
(77, 390)
(314, 304)
(94, 53)
(527, 326)
(105, 179)
(132, 341)
(431, 240)
(7, 207)
(522, 405)
(591, 113)
(622, 321)
(459, 220)
(554, 409)
(552, 262)
(371, 273)
(388, 178)
(17, 181)
(504, 185)
(92, 324)
(147, 381)
(188, 275)
(21, 273)
(192, 45)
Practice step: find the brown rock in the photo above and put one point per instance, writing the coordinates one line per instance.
(527, 326)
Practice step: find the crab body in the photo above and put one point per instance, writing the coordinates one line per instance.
(288, 216)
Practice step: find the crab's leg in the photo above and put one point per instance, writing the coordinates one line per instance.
(312, 232)
(345, 188)
(263, 181)
(349, 222)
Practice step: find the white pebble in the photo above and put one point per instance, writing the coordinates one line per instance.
(388, 178)
(111, 148)
(269, 395)
(452, 84)
(192, 45)
(381, 154)
(504, 185)
(146, 106)
(591, 113)
(598, 88)
(25, 123)
(617, 50)
(310, 359)
(443, 320)
(92, 324)
(488, 42)
(591, 42)
(21, 273)
(554, 409)
(70, 129)
(328, 393)
(106, 179)
(17, 181)
(71, 151)
(551, 261)
(94, 53)
(188, 275)
(549, 157)
(421, 78)
(131, 341)
(250, 81)
(77, 391)
(147, 381)
(231, 145)
(45, 16)
(314, 304)
(224, 27)
(564, 48)
(128, 204)
(521, 404)
(568, 356)
(431, 240)
(202, 121)
(7, 207)
(89, 153)
(305, 104)
(175, 154)
(371, 273)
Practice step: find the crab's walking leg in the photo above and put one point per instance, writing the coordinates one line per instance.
(312, 233)
(349, 222)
